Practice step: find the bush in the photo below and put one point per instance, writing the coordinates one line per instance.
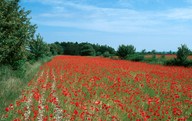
(135, 57)
(182, 53)
(98, 53)
(154, 56)
(176, 62)
(153, 60)
(87, 50)
(38, 48)
(125, 50)
(18, 65)
(106, 54)
(12, 82)
(181, 60)
(163, 56)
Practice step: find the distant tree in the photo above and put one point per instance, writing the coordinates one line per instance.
(87, 50)
(125, 50)
(153, 52)
(143, 51)
(16, 31)
(182, 53)
(38, 48)
(53, 49)
(104, 48)
(98, 53)
(181, 59)
(106, 54)
(70, 48)
(56, 49)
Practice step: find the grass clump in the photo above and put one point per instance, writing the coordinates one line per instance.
(13, 81)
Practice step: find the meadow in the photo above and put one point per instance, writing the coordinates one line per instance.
(101, 89)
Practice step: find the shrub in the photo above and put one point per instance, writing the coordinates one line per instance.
(182, 53)
(176, 62)
(163, 56)
(125, 50)
(87, 50)
(106, 54)
(38, 48)
(135, 57)
(98, 53)
(181, 59)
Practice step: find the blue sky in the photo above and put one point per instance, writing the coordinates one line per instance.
(162, 25)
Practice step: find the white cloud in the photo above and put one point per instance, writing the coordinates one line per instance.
(67, 13)
(179, 14)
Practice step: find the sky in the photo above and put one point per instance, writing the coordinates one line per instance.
(162, 25)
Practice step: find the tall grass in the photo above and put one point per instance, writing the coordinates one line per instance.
(12, 81)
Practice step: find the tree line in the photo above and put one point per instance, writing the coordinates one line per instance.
(19, 42)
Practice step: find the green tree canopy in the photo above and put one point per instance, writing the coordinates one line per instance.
(182, 53)
(38, 48)
(125, 50)
(16, 31)
(87, 50)
(56, 48)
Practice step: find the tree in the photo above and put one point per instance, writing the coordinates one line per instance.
(106, 54)
(153, 52)
(56, 49)
(143, 51)
(87, 50)
(125, 50)
(182, 54)
(181, 59)
(70, 48)
(38, 48)
(16, 31)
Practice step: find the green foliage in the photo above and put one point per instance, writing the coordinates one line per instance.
(153, 52)
(154, 56)
(125, 50)
(20, 65)
(16, 31)
(181, 60)
(87, 50)
(106, 54)
(104, 48)
(175, 62)
(56, 49)
(98, 53)
(135, 57)
(12, 81)
(163, 56)
(182, 53)
(71, 48)
(143, 51)
(149, 91)
(38, 48)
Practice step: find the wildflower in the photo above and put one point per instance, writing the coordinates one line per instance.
(75, 112)
(46, 107)
(177, 96)
(97, 102)
(177, 111)
(51, 115)
(149, 101)
(7, 109)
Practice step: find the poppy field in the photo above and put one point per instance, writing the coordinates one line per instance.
(74, 88)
